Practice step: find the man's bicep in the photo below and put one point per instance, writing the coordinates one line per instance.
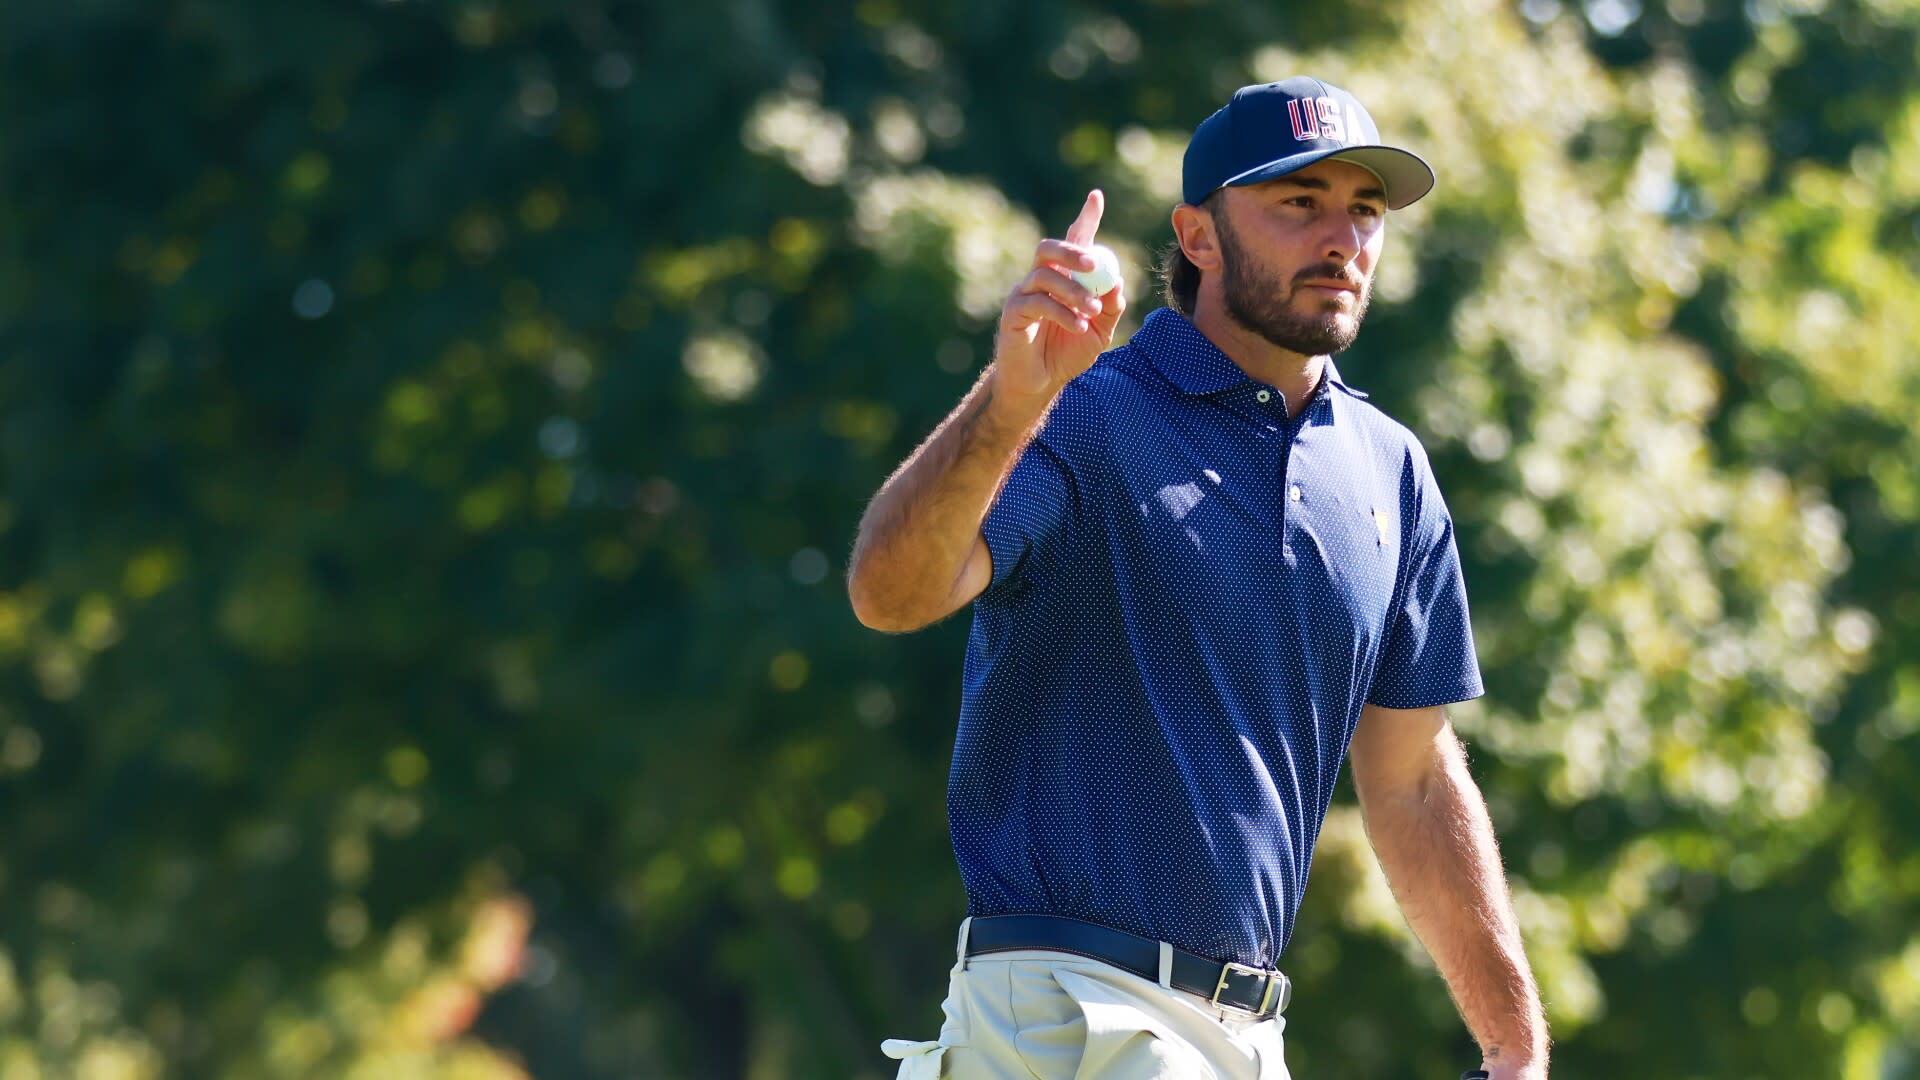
(1395, 749)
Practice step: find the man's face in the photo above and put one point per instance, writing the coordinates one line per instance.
(1298, 254)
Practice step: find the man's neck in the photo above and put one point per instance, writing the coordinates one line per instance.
(1294, 375)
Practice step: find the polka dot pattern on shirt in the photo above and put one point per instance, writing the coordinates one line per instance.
(1193, 596)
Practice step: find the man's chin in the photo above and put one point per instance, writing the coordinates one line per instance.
(1316, 334)
(1327, 310)
(1326, 335)
(1309, 344)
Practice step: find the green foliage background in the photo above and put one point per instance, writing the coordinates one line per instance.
(431, 434)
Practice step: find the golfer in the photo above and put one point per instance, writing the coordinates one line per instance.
(1204, 572)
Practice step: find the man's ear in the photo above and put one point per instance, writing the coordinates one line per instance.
(1193, 228)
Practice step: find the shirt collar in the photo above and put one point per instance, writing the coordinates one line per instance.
(1194, 364)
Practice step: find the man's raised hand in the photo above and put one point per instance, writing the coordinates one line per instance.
(1052, 328)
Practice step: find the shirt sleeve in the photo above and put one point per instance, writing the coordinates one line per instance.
(1029, 518)
(1429, 657)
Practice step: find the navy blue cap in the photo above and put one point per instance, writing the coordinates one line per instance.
(1275, 128)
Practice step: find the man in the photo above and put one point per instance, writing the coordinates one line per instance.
(1203, 570)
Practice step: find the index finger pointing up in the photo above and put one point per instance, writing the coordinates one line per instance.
(1088, 223)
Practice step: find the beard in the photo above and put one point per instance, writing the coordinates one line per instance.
(1257, 301)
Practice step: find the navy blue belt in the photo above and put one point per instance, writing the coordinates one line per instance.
(1239, 987)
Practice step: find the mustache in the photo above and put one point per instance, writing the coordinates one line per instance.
(1327, 272)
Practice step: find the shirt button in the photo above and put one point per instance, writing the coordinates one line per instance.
(1294, 494)
(1262, 397)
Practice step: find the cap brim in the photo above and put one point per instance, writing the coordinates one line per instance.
(1404, 176)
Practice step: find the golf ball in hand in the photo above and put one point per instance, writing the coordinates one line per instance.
(1105, 273)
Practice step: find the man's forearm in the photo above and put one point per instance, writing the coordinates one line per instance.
(1437, 847)
(919, 529)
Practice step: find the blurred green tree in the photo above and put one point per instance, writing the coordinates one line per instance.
(431, 433)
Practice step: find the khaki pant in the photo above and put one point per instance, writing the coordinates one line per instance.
(1039, 1015)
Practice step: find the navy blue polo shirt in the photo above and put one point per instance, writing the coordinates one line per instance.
(1193, 596)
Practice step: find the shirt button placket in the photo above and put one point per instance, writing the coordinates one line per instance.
(1292, 491)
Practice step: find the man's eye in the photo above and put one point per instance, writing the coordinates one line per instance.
(1367, 211)
(1301, 200)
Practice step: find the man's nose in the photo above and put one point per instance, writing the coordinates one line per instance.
(1340, 239)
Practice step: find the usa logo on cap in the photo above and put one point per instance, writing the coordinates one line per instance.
(1272, 129)
(1316, 118)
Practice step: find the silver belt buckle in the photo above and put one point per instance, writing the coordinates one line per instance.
(1275, 981)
